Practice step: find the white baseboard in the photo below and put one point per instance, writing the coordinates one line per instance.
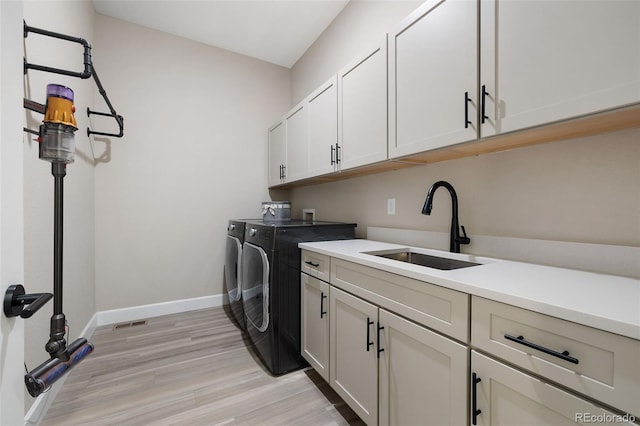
(42, 403)
(133, 313)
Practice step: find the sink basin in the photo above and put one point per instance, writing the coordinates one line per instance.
(429, 261)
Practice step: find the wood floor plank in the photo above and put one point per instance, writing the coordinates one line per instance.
(192, 368)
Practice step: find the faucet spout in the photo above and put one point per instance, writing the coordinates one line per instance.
(454, 238)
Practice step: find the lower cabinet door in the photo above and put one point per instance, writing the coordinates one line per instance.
(353, 347)
(423, 375)
(315, 324)
(501, 395)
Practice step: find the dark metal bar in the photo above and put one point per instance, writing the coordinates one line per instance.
(119, 119)
(34, 106)
(59, 171)
(466, 110)
(474, 398)
(35, 132)
(87, 53)
(562, 355)
(380, 349)
(484, 103)
(369, 324)
(322, 311)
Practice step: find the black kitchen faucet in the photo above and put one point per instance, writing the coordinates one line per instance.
(455, 238)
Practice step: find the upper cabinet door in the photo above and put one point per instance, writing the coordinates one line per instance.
(362, 109)
(433, 77)
(322, 108)
(296, 142)
(544, 61)
(276, 153)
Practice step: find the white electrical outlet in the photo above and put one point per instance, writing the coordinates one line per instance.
(391, 206)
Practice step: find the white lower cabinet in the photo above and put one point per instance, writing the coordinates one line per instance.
(354, 358)
(422, 375)
(392, 371)
(521, 368)
(315, 324)
(601, 365)
(502, 395)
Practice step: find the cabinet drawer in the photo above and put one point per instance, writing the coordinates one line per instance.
(506, 396)
(315, 264)
(598, 364)
(438, 308)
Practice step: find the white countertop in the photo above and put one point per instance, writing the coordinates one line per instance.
(606, 302)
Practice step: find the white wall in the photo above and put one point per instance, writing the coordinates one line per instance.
(583, 190)
(11, 222)
(193, 156)
(74, 18)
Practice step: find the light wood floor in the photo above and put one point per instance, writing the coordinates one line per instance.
(189, 369)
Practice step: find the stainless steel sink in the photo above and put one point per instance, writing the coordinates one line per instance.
(429, 261)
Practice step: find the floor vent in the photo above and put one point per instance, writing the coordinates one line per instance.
(129, 324)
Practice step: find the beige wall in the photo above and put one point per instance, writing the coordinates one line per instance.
(193, 156)
(74, 18)
(583, 190)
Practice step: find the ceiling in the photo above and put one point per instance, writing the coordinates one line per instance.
(276, 31)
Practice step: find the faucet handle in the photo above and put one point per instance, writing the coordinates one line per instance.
(465, 239)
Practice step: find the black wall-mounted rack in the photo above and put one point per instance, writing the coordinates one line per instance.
(88, 71)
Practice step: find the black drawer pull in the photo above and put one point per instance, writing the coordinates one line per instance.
(315, 265)
(466, 110)
(474, 398)
(484, 103)
(369, 324)
(322, 311)
(562, 355)
(380, 328)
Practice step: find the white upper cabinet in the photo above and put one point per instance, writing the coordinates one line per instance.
(362, 109)
(433, 77)
(276, 154)
(295, 127)
(544, 61)
(322, 108)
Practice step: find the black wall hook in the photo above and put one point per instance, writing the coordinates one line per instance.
(17, 303)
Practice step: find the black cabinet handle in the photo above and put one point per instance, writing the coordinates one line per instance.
(333, 150)
(484, 103)
(369, 324)
(380, 328)
(315, 265)
(338, 153)
(322, 311)
(466, 110)
(474, 398)
(562, 355)
(284, 171)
